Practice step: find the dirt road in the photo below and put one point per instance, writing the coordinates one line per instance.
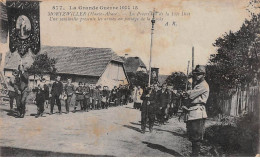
(108, 132)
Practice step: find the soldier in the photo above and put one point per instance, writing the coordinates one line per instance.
(86, 93)
(79, 97)
(119, 95)
(197, 115)
(105, 97)
(69, 91)
(40, 99)
(23, 90)
(164, 102)
(46, 94)
(56, 91)
(113, 95)
(148, 109)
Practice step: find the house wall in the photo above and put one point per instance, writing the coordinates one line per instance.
(113, 76)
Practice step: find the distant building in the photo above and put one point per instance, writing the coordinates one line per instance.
(100, 66)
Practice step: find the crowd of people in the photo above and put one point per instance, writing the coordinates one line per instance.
(81, 97)
(156, 103)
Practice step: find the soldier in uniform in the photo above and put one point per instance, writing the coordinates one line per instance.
(148, 109)
(113, 95)
(69, 91)
(56, 91)
(105, 97)
(164, 102)
(79, 97)
(23, 90)
(86, 93)
(196, 111)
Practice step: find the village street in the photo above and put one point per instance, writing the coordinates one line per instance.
(112, 132)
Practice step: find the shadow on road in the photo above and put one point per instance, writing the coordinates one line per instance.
(19, 152)
(133, 128)
(174, 133)
(163, 149)
(9, 112)
(130, 107)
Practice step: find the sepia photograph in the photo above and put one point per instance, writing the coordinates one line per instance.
(129, 78)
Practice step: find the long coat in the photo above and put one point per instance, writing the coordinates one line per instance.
(152, 107)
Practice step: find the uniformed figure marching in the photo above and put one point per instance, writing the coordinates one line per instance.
(196, 111)
(69, 91)
(86, 92)
(164, 101)
(56, 91)
(79, 97)
(105, 97)
(148, 109)
(23, 90)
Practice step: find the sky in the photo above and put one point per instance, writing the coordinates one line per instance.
(172, 45)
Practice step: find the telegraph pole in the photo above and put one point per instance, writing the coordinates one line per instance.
(151, 46)
(192, 63)
(187, 75)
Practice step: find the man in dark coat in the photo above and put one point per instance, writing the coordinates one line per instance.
(148, 109)
(56, 91)
(86, 93)
(105, 97)
(164, 102)
(79, 97)
(23, 90)
(40, 99)
(69, 91)
(113, 95)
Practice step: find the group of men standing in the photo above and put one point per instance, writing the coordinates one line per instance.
(161, 103)
(154, 102)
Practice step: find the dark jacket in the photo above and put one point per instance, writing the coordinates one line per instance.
(164, 98)
(40, 95)
(23, 81)
(46, 91)
(57, 88)
(86, 92)
(152, 107)
(79, 94)
(69, 89)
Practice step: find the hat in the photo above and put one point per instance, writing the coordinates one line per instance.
(199, 69)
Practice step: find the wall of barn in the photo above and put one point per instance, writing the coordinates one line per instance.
(113, 76)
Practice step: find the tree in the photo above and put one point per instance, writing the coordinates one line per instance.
(178, 80)
(236, 61)
(139, 78)
(42, 65)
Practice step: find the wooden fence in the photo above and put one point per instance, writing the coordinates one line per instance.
(240, 101)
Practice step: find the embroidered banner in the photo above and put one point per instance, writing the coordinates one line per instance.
(24, 26)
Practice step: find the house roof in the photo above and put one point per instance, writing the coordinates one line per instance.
(72, 60)
(133, 63)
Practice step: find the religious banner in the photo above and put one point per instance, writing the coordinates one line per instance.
(154, 75)
(24, 26)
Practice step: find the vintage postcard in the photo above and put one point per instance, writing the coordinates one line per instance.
(129, 78)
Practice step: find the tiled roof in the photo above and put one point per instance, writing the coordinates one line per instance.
(72, 60)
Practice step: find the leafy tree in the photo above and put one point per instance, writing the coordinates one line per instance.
(42, 65)
(178, 80)
(138, 79)
(236, 61)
